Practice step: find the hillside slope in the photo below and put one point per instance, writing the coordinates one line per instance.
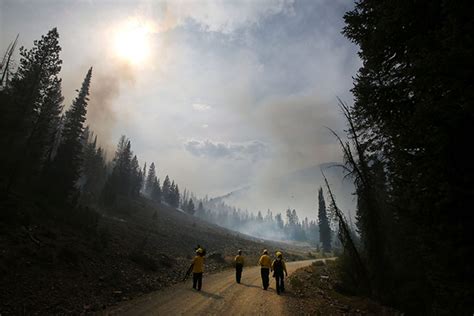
(55, 266)
(295, 190)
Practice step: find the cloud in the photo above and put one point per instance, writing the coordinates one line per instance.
(219, 16)
(201, 107)
(253, 150)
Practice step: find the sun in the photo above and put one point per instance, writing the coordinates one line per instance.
(132, 41)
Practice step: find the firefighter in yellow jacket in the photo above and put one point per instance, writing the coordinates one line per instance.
(265, 264)
(239, 266)
(198, 269)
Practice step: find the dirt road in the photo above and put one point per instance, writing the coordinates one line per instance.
(220, 295)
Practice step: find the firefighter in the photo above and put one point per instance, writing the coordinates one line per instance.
(279, 267)
(198, 269)
(265, 264)
(239, 266)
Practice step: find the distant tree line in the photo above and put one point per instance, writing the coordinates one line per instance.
(128, 180)
(287, 226)
(265, 225)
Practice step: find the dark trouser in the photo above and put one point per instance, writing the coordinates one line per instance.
(197, 279)
(265, 273)
(238, 272)
(280, 284)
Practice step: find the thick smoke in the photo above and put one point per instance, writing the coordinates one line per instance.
(301, 146)
(105, 90)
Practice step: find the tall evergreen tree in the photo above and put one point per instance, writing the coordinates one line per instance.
(39, 68)
(200, 210)
(324, 228)
(41, 140)
(279, 221)
(119, 181)
(156, 190)
(184, 199)
(150, 180)
(145, 178)
(171, 194)
(67, 162)
(190, 207)
(93, 169)
(166, 189)
(123, 167)
(136, 177)
(31, 105)
(176, 196)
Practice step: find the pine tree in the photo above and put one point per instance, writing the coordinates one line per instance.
(324, 228)
(119, 181)
(150, 180)
(269, 216)
(67, 162)
(31, 106)
(39, 68)
(171, 194)
(200, 210)
(279, 222)
(294, 217)
(156, 190)
(184, 199)
(166, 189)
(123, 167)
(136, 177)
(176, 196)
(190, 207)
(93, 169)
(145, 178)
(41, 140)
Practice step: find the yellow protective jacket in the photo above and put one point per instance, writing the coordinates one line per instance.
(265, 262)
(239, 259)
(198, 264)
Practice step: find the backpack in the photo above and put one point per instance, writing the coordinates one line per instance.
(278, 266)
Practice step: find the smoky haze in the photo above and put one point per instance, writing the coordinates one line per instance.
(105, 91)
(229, 96)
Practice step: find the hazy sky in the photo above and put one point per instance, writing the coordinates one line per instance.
(227, 92)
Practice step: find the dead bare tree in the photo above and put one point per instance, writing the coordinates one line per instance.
(357, 166)
(5, 66)
(344, 235)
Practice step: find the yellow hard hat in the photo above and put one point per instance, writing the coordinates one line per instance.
(199, 250)
(279, 254)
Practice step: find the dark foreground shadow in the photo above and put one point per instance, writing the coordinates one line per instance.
(251, 285)
(207, 294)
